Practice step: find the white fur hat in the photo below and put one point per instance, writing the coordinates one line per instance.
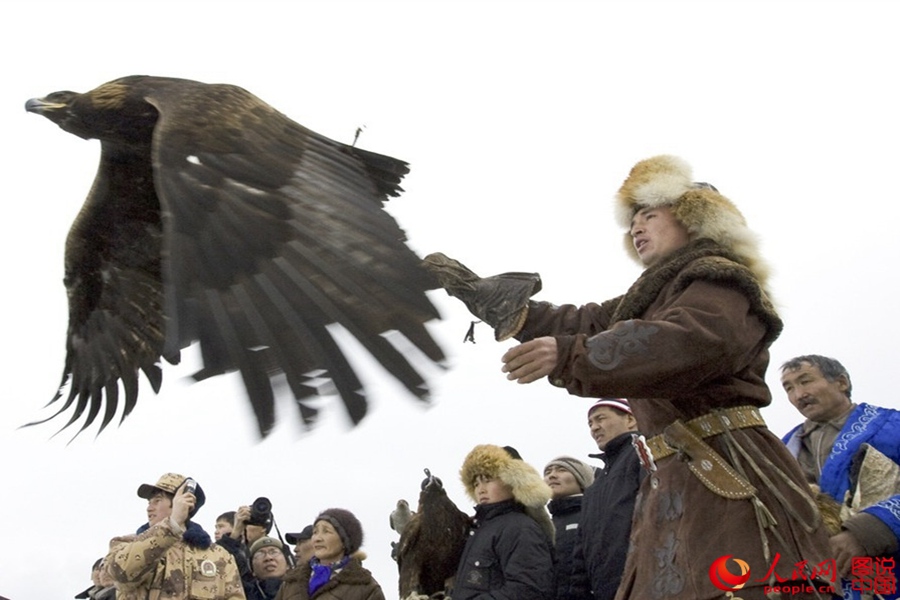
(667, 181)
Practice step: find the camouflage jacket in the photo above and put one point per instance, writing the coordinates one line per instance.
(159, 563)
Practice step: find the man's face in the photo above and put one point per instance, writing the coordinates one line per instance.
(254, 532)
(159, 507)
(656, 233)
(303, 551)
(607, 423)
(269, 562)
(223, 527)
(561, 481)
(813, 395)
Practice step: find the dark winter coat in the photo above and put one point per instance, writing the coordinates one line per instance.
(262, 589)
(605, 528)
(353, 582)
(690, 336)
(507, 557)
(566, 514)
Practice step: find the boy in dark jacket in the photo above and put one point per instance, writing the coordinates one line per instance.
(567, 477)
(509, 552)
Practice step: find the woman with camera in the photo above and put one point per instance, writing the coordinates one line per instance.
(335, 572)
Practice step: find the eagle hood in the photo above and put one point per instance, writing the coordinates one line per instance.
(668, 181)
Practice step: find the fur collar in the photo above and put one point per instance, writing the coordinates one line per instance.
(701, 259)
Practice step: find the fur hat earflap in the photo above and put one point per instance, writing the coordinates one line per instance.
(668, 181)
(528, 487)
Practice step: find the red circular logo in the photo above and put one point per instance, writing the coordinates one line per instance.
(723, 579)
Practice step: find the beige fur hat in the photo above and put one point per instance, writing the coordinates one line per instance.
(668, 181)
(528, 487)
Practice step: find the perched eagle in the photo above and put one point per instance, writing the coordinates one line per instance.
(215, 218)
(431, 543)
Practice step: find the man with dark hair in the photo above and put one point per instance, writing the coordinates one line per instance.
(851, 453)
(171, 556)
(224, 525)
(608, 506)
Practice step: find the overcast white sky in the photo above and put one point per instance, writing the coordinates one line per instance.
(520, 120)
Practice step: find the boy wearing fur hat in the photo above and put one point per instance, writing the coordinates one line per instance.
(509, 551)
(171, 556)
(688, 344)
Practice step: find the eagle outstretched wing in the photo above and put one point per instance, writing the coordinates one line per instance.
(215, 218)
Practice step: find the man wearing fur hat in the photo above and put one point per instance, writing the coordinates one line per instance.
(509, 551)
(687, 344)
(851, 453)
(171, 556)
(567, 477)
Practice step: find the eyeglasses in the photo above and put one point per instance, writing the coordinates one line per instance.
(266, 552)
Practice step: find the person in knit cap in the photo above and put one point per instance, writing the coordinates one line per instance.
(269, 565)
(509, 552)
(688, 345)
(171, 556)
(567, 478)
(608, 506)
(335, 572)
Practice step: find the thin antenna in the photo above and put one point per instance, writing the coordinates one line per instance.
(359, 130)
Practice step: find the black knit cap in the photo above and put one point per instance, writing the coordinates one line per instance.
(347, 526)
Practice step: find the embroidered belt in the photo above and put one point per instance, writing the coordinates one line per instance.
(710, 424)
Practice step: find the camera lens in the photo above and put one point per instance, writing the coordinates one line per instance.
(261, 506)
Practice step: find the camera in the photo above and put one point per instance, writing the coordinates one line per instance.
(260, 512)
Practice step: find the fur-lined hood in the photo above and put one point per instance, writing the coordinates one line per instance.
(668, 181)
(528, 487)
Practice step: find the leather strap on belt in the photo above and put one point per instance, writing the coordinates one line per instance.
(711, 424)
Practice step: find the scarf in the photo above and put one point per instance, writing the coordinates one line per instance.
(321, 574)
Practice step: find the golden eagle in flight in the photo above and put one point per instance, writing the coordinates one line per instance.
(215, 218)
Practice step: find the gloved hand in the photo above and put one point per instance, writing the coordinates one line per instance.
(501, 300)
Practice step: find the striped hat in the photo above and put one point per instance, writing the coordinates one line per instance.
(620, 404)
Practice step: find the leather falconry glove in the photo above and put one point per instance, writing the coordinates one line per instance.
(501, 300)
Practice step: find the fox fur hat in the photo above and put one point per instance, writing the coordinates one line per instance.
(528, 487)
(668, 181)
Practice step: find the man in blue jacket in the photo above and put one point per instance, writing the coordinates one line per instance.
(835, 446)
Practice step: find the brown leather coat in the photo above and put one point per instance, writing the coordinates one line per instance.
(691, 336)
